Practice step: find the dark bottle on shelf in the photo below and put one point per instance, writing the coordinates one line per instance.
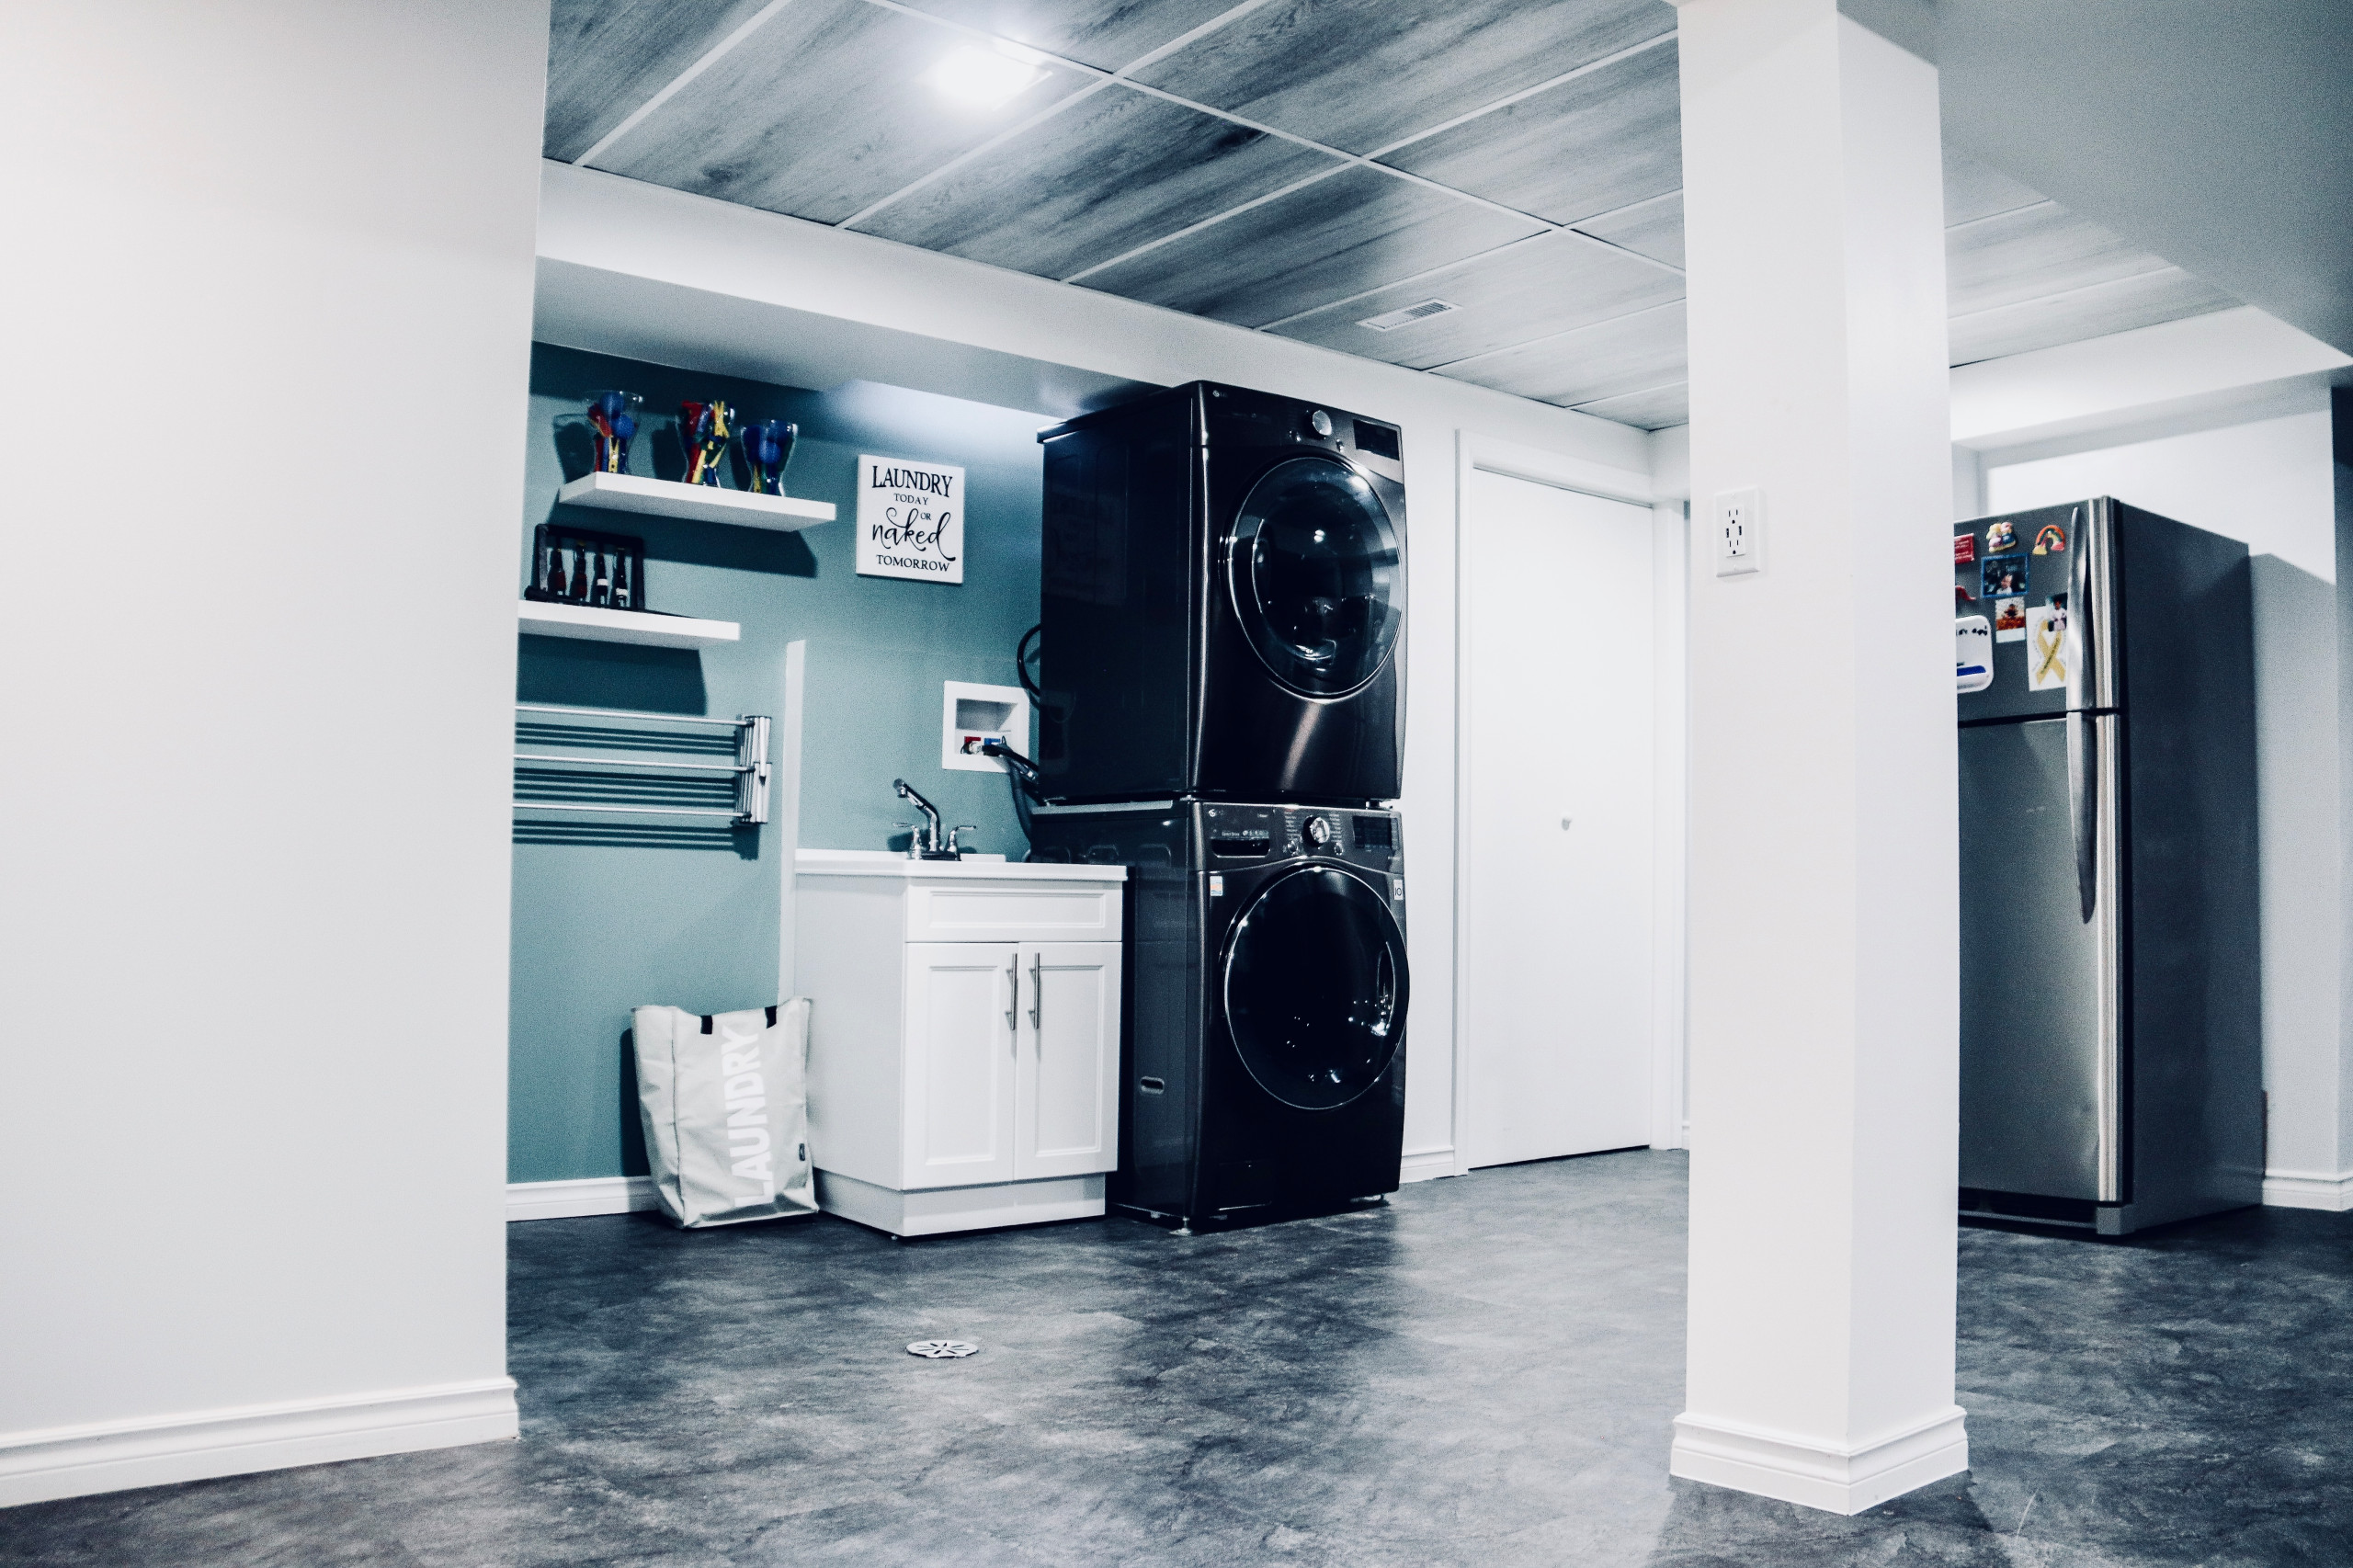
(559, 587)
(603, 591)
(582, 574)
(622, 598)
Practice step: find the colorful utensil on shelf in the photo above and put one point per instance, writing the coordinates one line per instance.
(613, 415)
(768, 447)
(703, 431)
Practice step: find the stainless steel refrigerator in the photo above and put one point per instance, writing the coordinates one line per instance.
(2111, 1030)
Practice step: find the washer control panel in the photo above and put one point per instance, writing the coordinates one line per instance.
(1234, 836)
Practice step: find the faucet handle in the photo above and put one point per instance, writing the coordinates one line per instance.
(917, 834)
(960, 827)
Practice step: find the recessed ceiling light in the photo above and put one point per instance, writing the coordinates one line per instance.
(984, 78)
(1390, 320)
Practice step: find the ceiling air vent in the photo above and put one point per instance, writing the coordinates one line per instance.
(1390, 320)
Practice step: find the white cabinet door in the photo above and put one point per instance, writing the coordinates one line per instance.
(1066, 1093)
(960, 1063)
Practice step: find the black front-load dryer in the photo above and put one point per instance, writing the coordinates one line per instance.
(1265, 1011)
(1224, 601)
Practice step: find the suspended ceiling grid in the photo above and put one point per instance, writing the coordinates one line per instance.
(1294, 166)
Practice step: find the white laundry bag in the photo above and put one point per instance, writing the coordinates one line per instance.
(725, 1102)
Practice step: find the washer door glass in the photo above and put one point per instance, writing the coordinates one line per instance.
(1315, 988)
(1313, 566)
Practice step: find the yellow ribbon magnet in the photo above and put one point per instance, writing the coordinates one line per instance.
(2050, 643)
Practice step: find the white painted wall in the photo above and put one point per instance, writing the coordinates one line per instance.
(266, 328)
(634, 269)
(2267, 483)
(2309, 1151)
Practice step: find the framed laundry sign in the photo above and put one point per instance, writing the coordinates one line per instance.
(909, 519)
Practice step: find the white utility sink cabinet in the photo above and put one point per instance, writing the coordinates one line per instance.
(964, 1046)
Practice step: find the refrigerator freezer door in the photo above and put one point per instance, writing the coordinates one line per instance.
(2036, 1082)
(1997, 574)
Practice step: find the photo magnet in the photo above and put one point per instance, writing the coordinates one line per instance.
(2003, 575)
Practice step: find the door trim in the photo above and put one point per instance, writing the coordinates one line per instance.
(1476, 454)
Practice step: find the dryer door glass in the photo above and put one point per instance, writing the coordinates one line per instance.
(1315, 988)
(1313, 570)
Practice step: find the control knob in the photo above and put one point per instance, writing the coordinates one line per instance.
(1320, 421)
(1317, 832)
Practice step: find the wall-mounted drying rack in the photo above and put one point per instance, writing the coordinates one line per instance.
(749, 770)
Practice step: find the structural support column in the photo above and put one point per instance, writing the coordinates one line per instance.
(1823, 882)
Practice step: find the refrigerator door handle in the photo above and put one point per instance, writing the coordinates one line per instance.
(2083, 653)
(2083, 806)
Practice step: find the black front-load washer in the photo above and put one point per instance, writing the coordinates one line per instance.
(1224, 601)
(1265, 1010)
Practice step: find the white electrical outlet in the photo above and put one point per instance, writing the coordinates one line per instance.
(1740, 532)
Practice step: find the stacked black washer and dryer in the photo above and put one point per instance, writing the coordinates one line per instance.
(1223, 713)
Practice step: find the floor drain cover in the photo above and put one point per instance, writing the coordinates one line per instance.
(942, 1349)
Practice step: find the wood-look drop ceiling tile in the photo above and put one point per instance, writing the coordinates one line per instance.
(796, 119)
(1595, 143)
(2167, 294)
(1530, 289)
(1625, 354)
(1973, 190)
(1335, 238)
(607, 57)
(1654, 229)
(1652, 410)
(2030, 253)
(1111, 172)
(1362, 74)
(1106, 34)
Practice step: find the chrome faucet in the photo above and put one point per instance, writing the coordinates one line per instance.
(931, 842)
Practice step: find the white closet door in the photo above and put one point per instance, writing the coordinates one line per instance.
(960, 1009)
(1066, 1094)
(1557, 730)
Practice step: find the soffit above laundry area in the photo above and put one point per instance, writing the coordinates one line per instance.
(1300, 168)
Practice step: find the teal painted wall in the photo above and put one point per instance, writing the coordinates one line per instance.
(611, 914)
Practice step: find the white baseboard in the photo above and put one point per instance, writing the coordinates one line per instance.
(944, 1211)
(1427, 1165)
(2308, 1189)
(1838, 1480)
(74, 1462)
(570, 1200)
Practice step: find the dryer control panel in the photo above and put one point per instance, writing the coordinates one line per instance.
(1233, 836)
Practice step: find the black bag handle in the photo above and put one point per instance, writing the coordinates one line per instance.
(772, 1007)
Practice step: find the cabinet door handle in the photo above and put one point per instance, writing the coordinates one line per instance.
(1038, 991)
(1012, 997)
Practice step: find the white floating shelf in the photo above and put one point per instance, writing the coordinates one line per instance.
(597, 625)
(701, 503)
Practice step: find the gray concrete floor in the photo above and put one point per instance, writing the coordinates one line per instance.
(1482, 1373)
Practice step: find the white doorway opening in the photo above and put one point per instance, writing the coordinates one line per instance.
(1570, 731)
